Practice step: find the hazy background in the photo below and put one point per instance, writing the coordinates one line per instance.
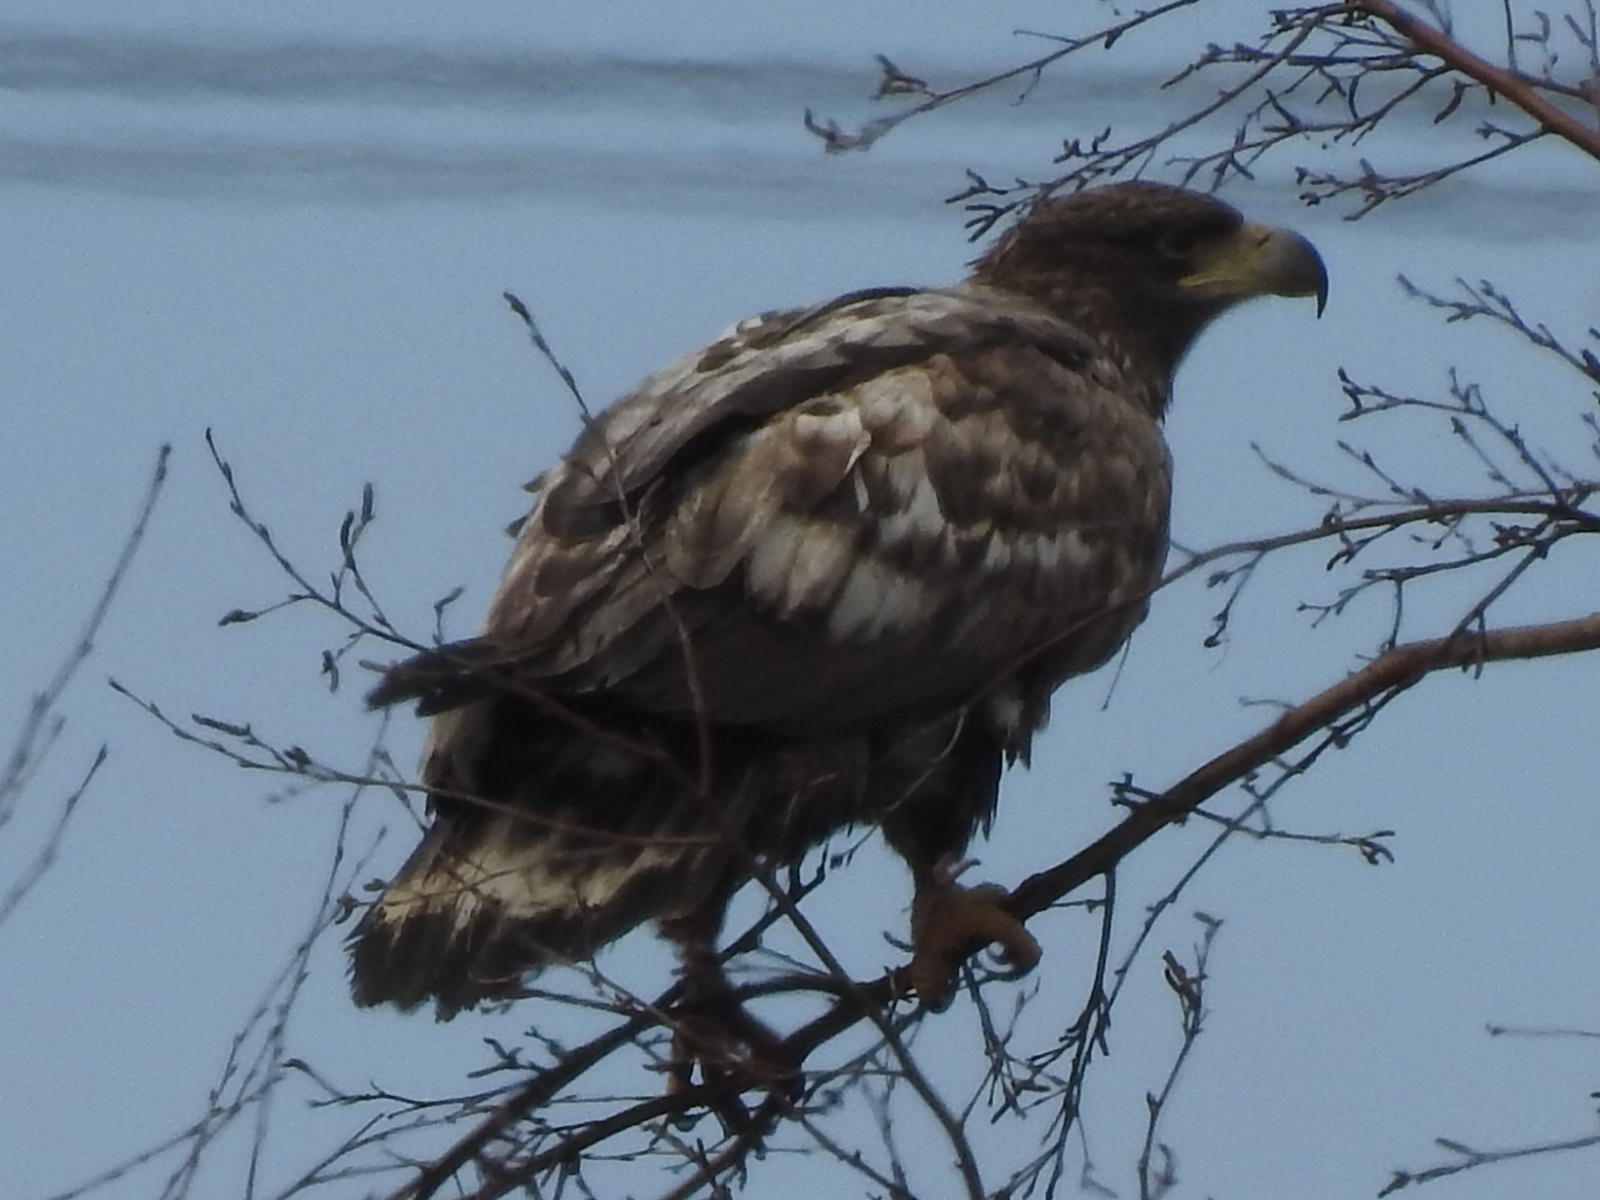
(292, 225)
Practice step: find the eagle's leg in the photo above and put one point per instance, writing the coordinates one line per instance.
(710, 1027)
(948, 774)
(949, 924)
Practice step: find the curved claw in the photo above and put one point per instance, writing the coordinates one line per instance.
(949, 924)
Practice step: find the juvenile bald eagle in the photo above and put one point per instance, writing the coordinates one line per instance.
(826, 571)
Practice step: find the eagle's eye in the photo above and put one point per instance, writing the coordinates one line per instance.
(1178, 243)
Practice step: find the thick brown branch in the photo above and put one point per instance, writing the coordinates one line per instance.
(1393, 671)
(1498, 80)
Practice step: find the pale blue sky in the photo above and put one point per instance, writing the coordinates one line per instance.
(314, 272)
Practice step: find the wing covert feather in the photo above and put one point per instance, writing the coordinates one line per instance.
(781, 359)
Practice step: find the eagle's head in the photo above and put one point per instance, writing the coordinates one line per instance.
(1143, 267)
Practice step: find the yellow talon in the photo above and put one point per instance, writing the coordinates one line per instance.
(949, 924)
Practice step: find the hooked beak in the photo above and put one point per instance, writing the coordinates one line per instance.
(1262, 260)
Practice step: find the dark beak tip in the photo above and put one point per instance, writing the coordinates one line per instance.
(1319, 274)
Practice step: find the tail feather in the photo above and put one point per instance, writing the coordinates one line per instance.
(587, 844)
(470, 922)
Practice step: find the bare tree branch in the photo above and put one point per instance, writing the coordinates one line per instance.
(44, 723)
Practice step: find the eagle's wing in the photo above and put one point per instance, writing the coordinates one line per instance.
(777, 360)
(831, 516)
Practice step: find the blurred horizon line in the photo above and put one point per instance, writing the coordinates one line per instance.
(179, 117)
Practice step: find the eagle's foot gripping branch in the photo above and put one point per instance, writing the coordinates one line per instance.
(949, 924)
(713, 1031)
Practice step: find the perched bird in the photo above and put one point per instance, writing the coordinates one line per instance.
(825, 572)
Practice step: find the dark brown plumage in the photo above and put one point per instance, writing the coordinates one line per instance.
(827, 571)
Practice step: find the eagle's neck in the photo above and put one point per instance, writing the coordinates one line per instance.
(1144, 330)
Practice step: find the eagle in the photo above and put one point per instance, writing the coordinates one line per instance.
(825, 572)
